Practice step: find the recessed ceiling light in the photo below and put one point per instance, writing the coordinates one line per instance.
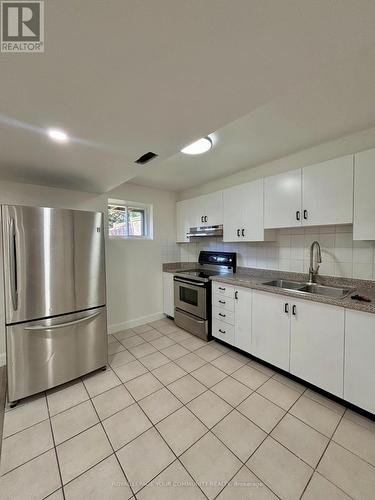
(57, 135)
(198, 147)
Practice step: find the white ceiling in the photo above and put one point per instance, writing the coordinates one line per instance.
(125, 77)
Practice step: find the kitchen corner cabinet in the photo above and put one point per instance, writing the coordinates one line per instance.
(359, 381)
(271, 328)
(364, 198)
(243, 213)
(168, 294)
(317, 344)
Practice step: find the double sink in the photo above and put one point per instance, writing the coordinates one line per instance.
(307, 288)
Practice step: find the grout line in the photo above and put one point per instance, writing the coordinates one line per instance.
(54, 443)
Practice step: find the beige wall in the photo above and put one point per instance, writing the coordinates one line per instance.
(134, 275)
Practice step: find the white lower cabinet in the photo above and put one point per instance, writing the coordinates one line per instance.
(359, 380)
(242, 318)
(271, 328)
(168, 294)
(317, 344)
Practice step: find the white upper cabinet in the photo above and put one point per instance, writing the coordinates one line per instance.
(243, 212)
(317, 344)
(327, 192)
(364, 197)
(183, 219)
(212, 208)
(282, 200)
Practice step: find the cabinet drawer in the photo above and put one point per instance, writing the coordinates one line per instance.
(220, 315)
(223, 289)
(223, 302)
(223, 331)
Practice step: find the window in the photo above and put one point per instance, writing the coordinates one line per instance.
(129, 220)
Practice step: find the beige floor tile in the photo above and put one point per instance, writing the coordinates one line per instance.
(159, 405)
(284, 473)
(220, 347)
(151, 335)
(211, 463)
(186, 388)
(190, 362)
(143, 386)
(124, 334)
(115, 347)
(289, 382)
(21, 483)
(142, 350)
(232, 391)
(100, 381)
(162, 342)
(239, 356)
(250, 377)
(227, 363)
(132, 341)
(23, 416)
(321, 488)
(104, 481)
(172, 484)
(143, 328)
(355, 417)
(167, 329)
(305, 442)
(129, 371)
(175, 351)
(169, 373)
(181, 429)
(246, 486)
(121, 358)
(154, 360)
(261, 411)
(323, 400)
(261, 367)
(349, 472)
(191, 343)
(240, 434)
(180, 336)
(278, 393)
(209, 375)
(63, 397)
(57, 495)
(126, 425)
(357, 439)
(25, 445)
(208, 353)
(73, 421)
(82, 452)
(112, 401)
(111, 338)
(209, 408)
(144, 458)
(316, 415)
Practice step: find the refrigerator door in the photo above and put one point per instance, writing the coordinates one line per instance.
(53, 261)
(45, 353)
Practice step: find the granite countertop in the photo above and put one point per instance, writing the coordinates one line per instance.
(254, 278)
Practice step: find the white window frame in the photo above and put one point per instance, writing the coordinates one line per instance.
(148, 219)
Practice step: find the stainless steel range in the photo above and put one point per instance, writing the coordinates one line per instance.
(192, 291)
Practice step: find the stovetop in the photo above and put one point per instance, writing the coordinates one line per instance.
(201, 274)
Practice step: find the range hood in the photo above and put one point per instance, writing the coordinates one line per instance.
(206, 231)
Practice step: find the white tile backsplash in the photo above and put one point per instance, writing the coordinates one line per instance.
(341, 255)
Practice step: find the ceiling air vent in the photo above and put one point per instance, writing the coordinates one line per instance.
(146, 158)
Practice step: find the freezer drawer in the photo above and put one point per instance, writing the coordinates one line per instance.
(44, 353)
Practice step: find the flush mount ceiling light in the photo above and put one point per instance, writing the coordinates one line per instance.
(198, 147)
(57, 135)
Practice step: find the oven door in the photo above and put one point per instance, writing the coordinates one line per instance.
(190, 296)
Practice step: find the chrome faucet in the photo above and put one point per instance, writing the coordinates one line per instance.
(314, 271)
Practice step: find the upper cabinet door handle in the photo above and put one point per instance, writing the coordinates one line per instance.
(286, 308)
(202, 220)
(236, 295)
(294, 310)
(298, 215)
(205, 218)
(305, 214)
(243, 232)
(238, 233)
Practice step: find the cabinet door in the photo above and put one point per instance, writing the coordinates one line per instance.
(359, 379)
(253, 228)
(234, 201)
(282, 200)
(213, 209)
(364, 199)
(182, 221)
(242, 319)
(327, 192)
(168, 295)
(271, 328)
(317, 345)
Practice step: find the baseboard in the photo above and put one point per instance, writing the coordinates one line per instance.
(3, 359)
(118, 327)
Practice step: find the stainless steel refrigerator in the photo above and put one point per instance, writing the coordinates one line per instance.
(55, 297)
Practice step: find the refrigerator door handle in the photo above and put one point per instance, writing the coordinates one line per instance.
(61, 325)
(13, 264)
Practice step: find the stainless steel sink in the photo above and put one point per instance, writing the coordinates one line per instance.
(306, 288)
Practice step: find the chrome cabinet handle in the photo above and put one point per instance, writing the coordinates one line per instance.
(61, 325)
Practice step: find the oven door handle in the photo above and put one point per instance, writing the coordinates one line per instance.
(188, 282)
